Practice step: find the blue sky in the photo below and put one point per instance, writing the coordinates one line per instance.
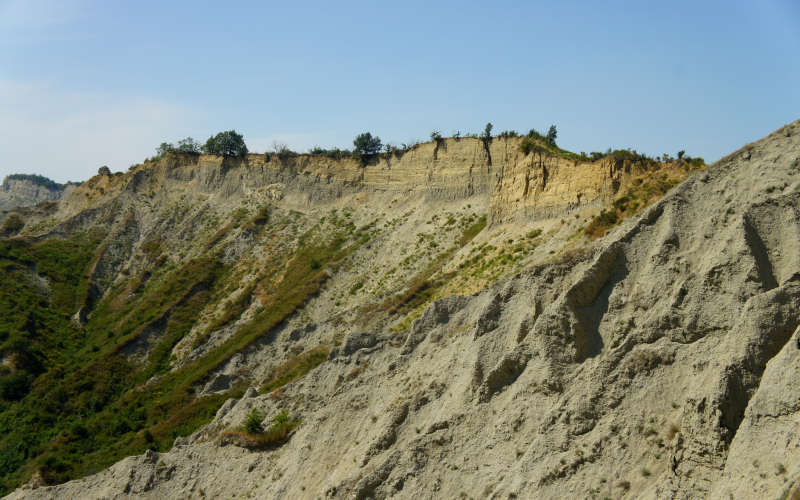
(88, 83)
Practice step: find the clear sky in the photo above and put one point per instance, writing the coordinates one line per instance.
(88, 83)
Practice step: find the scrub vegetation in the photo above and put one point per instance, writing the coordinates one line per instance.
(74, 402)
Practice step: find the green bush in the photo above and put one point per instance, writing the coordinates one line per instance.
(486, 136)
(534, 233)
(552, 133)
(281, 418)
(188, 145)
(227, 143)
(367, 145)
(534, 134)
(335, 153)
(696, 162)
(164, 148)
(600, 224)
(252, 424)
(530, 145)
(630, 155)
(608, 217)
(261, 218)
(282, 151)
(253, 434)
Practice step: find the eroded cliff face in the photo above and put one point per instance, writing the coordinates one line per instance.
(511, 186)
(658, 362)
(467, 339)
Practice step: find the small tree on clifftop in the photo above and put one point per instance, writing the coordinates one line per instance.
(164, 148)
(188, 145)
(551, 135)
(226, 144)
(487, 132)
(366, 145)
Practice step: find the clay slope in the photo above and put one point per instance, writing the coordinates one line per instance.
(662, 363)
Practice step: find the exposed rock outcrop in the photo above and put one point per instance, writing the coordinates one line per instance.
(23, 192)
(515, 187)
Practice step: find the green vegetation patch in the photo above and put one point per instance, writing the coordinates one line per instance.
(125, 418)
(74, 403)
(85, 408)
(252, 434)
(643, 193)
(232, 310)
(295, 368)
(423, 286)
(40, 283)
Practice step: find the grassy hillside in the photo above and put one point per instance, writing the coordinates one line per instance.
(72, 400)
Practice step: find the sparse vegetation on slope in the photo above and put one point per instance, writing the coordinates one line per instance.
(94, 401)
(422, 287)
(295, 368)
(252, 435)
(645, 191)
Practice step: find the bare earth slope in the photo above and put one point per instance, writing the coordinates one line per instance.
(660, 363)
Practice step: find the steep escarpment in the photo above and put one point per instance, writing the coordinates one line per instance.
(534, 185)
(396, 333)
(20, 190)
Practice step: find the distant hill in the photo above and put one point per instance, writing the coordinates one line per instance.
(21, 190)
(38, 180)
